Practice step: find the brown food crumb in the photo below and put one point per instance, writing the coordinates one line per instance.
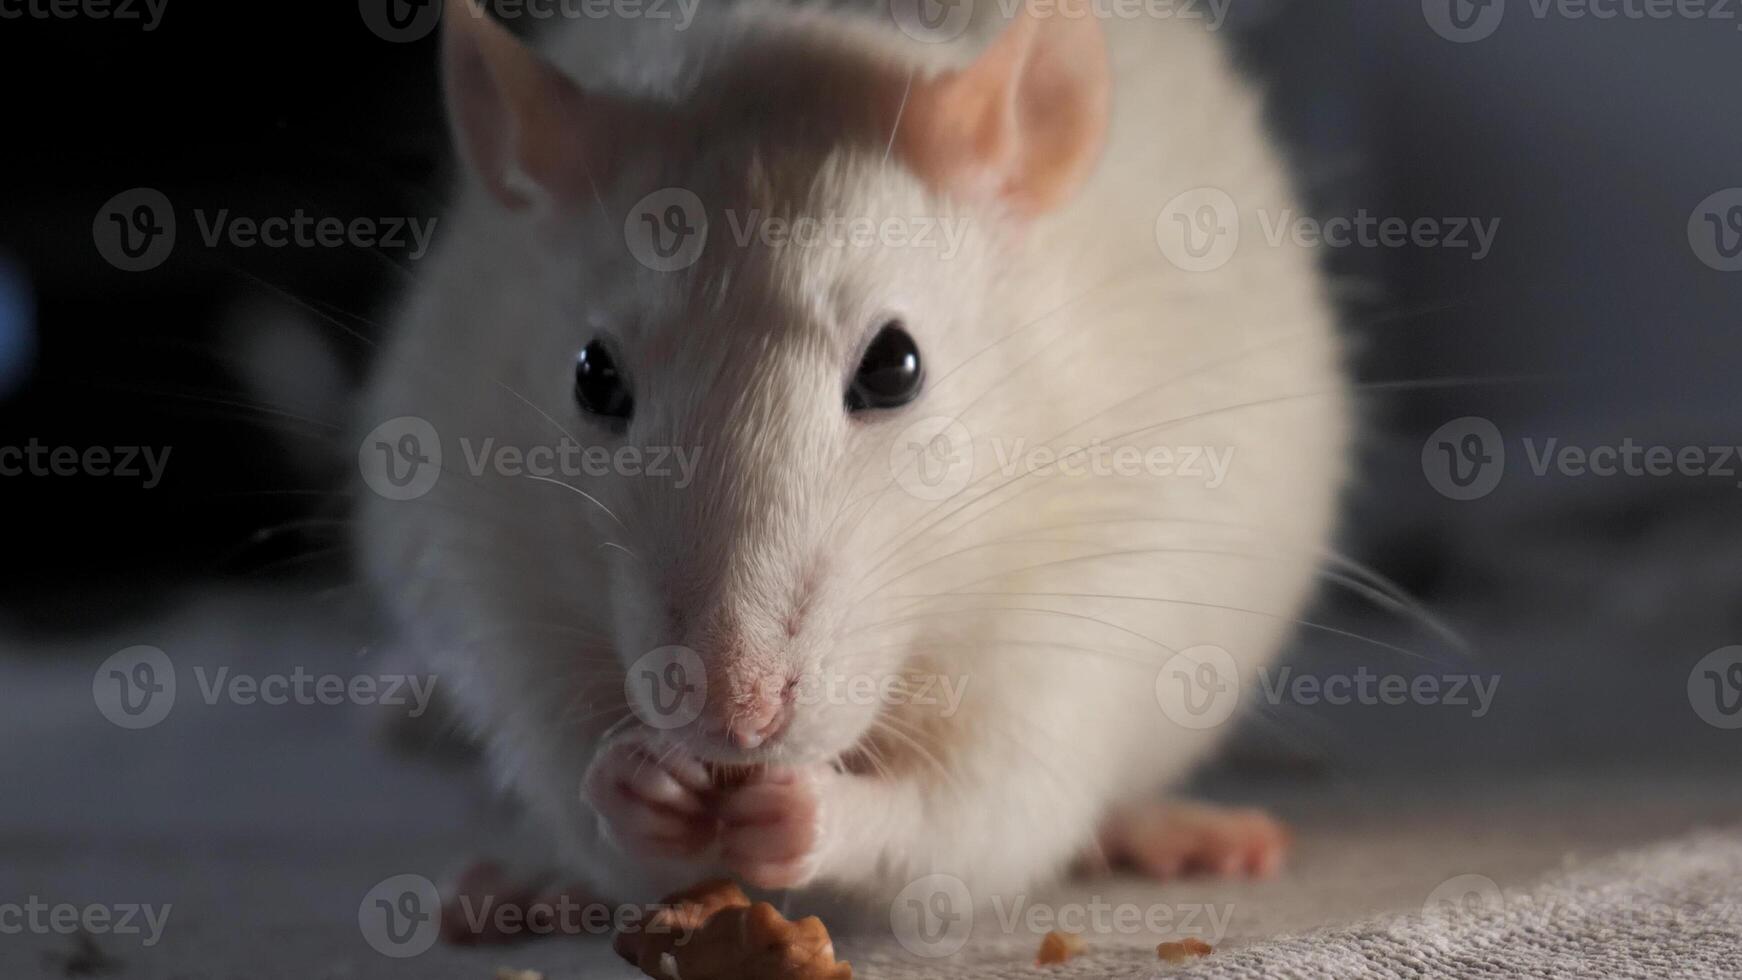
(1184, 950)
(509, 973)
(712, 932)
(1057, 947)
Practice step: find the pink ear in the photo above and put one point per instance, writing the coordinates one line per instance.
(526, 130)
(1025, 122)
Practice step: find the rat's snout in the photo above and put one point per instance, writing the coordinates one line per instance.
(748, 704)
(751, 688)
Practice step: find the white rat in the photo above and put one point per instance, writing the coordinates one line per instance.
(969, 514)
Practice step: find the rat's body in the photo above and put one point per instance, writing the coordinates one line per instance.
(806, 547)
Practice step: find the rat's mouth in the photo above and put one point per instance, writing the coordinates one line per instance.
(785, 753)
(728, 775)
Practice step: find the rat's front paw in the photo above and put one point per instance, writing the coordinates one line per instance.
(1168, 839)
(650, 799)
(771, 829)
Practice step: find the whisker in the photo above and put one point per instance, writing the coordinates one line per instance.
(574, 489)
(1196, 604)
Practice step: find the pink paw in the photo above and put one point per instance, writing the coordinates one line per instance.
(1169, 839)
(771, 829)
(651, 798)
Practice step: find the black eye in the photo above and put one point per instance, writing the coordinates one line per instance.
(890, 373)
(600, 389)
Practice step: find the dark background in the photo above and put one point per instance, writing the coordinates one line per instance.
(1593, 320)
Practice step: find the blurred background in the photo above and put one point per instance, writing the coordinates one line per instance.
(1602, 151)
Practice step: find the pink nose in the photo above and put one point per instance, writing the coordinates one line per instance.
(751, 722)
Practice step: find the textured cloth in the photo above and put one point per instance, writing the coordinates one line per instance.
(1671, 910)
(265, 828)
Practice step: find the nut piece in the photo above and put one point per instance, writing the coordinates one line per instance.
(712, 932)
(1181, 951)
(509, 973)
(1057, 947)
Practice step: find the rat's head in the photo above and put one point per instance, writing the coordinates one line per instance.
(788, 262)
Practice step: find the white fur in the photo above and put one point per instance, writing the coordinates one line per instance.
(1078, 320)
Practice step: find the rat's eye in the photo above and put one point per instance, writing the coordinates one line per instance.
(600, 389)
(890, 373)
